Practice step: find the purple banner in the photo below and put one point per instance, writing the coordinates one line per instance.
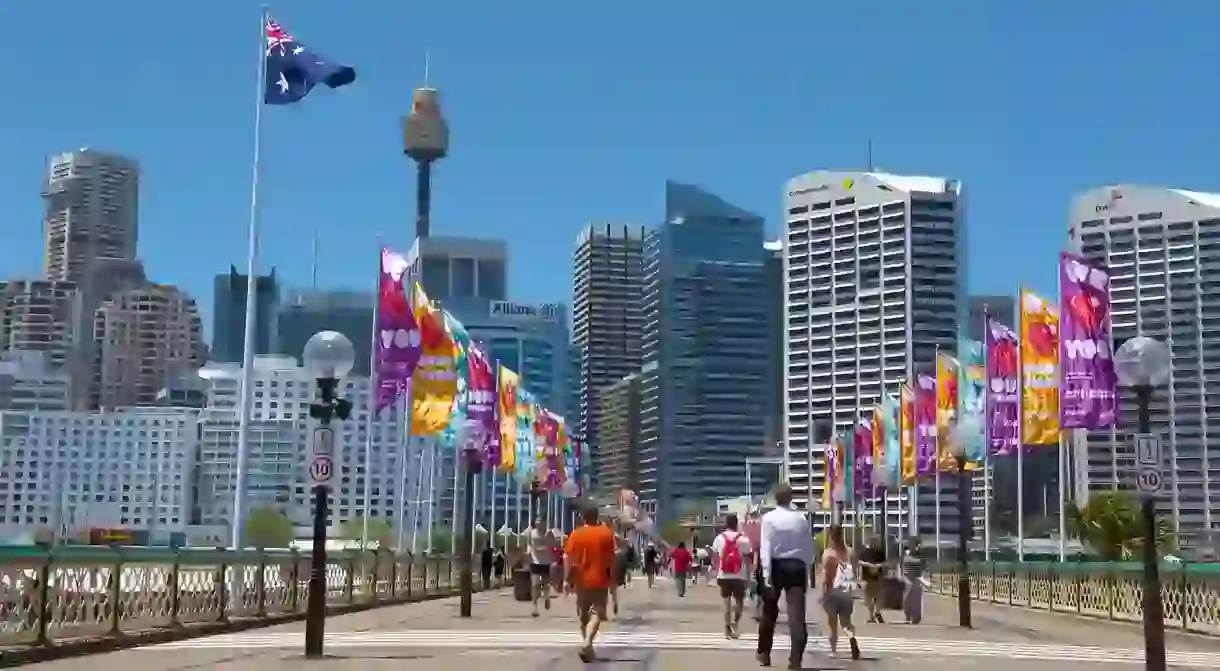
(862, 460)
(1088, 384)
(397, 333)
(1003, 419)
(925, 425)
(481, 402)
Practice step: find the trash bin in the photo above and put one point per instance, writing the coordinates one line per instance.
(891, 593)
(522, 585)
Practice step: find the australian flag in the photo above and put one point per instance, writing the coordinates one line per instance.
(293, 71)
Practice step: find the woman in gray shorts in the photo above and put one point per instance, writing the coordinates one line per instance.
(839, 590)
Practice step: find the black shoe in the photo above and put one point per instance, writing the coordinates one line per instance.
(795, 666)
(880, 620)
(763, 658)
(855, 648)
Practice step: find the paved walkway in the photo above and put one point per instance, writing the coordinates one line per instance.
(655, 630)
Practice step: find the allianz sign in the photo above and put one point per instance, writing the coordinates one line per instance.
(547, 311)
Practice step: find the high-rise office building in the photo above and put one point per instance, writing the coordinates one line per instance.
(875, 271)
(775, 342)
(145, 339)
(92, 209)
(29, 382)
(1162, 247)
(304, 313)
(607, 320)
(457, 268)
(229, 315)
(704, 396)
(618, 419)
(39, 316)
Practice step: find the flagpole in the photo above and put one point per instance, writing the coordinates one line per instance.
(248, 346)
(373, 389)
(403, 455)
(1062, 497)
(432, 444)
(1020, 424)
(936, 460)
(986, 442)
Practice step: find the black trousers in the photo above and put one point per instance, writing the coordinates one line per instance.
(486, 577)
(790, 578)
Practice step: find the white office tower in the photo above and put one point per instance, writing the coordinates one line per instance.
(66, 473)
(1162, 247)
(277, 466)
(91, 212)
(875, 282)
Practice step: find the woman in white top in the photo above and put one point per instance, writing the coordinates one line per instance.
(839, 589)
(542, 556)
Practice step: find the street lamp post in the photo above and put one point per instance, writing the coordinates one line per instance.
(471, 458)
(1143, 363)
(883, 479)
(328, 357)
(958, 447)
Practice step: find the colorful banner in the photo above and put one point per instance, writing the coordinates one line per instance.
(434, 385)
(878, 425)
(862, 460)
(925, 425)
(971, 356)
(846, 466)
(481, 399)
(1089, 386)
(546, 432)
(1003, 406)
(397, 334)
(1040, 371)
(891, 426)
(906, 436)
(508, 384)
(457, 414)
(527, 451)
(947, 399)
(830, 463)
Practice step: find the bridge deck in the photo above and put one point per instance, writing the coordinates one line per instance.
(655, 630)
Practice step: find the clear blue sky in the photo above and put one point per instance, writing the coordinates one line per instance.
(567, 112)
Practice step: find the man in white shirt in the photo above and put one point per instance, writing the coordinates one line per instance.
(786, 556)
(732, 551)
(542, 556)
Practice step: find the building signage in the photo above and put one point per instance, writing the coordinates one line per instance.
(547, 311)
(811, 189)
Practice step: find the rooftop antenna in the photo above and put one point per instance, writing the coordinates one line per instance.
(870, 155)
(427, 64)
(313, 264)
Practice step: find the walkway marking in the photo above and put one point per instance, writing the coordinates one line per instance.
(640, 639)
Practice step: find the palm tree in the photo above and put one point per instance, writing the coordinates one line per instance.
(1111, 525)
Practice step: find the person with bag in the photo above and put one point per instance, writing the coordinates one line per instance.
(732, 549)
(840, 589)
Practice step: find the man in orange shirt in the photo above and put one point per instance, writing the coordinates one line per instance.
(589, 570)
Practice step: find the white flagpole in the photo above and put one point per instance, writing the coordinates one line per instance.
(1063, 551)
(247, 357)
(986, 443)
(418, 476)
(936, 460)
(491, 527)
(453, 524)
(431, 489)
(404, 454)
(1020, 426)
(372, 404)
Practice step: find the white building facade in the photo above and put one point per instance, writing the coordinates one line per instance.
(67, 472)
(874, 284)
(1162, 247)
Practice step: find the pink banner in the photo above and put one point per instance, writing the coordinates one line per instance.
(925, 425)
(481, 402)
(1088, 384)
(862, 460)
(397, 333)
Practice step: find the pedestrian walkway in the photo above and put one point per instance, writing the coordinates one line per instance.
(654, 630)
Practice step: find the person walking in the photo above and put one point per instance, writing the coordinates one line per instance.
(682, 559)
(913, 568)
(620, 571)
(839, 590)
(786, 555)
(651, 564)
(542, 556)
(872, 570)
(486, 563)
(498, 566)
(589, 557)
(732, 551)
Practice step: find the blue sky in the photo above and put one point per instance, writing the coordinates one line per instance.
(564, 113)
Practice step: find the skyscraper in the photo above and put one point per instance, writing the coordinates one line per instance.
(775, 341)
(1162, 247)
(92, 209)
(229, 316)
(304, 313)
(875, 273)
(607, 320)
(459, 268)
(703, 389)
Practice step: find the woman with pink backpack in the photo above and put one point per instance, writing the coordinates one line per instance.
(732, 552)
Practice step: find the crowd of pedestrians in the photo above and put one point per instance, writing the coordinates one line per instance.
(772, 561)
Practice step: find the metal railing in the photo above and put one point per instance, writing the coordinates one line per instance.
(48, 597)
(1107, 590)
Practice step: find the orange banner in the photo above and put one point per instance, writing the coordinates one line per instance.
(947, 378)
(906, 433)
(507, 401)
(1039, 333)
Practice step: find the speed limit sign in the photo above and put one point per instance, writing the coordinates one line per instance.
(321, 470)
